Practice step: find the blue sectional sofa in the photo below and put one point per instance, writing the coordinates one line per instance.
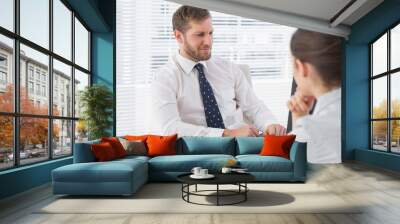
(125, 176)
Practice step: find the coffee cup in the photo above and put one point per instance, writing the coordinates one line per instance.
(203, 172)
(196, 170)
(226, 170)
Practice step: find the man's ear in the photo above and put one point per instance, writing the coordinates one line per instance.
(178, 36)
(301, 67)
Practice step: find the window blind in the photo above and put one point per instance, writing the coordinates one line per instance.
(145, 42)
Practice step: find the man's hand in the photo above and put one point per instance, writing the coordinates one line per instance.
(245, 131)
(275, 129)
(300, 105)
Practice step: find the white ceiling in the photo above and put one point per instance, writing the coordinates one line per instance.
(313, 15)
(320, 9)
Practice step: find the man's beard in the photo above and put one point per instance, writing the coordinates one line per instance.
(195, 54)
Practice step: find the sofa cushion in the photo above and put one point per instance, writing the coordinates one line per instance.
(185, 163)
(257, 163)
(131, 158)
(134, 147)
(206, 145)
(93, 172)
(249, 145)
(103, 151)
(161, 145)
(111, 171)
(277, 145)
(116, 145)
(83, 152)
(136, 137)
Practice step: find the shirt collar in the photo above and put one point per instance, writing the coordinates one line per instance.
(187, 64)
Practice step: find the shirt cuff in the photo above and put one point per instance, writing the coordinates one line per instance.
(300, 130)
(216, 132)
(300, 122)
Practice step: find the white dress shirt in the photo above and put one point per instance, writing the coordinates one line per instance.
(178, 107)
(321, 130)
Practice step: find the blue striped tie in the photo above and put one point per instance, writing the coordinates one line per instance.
(211, 110)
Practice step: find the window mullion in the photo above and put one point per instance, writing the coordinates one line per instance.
(19, 82)
(73, 82)
(389, 77)
(16, 83)
(371, 98)
(50, 81)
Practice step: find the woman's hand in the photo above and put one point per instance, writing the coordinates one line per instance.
(300, 105)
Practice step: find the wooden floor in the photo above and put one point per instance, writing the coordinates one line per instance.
(377, 188)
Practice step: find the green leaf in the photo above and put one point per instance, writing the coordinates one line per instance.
(97, 103)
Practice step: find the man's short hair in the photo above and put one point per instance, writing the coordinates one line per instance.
(186, 14)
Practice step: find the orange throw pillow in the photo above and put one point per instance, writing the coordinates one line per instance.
(116, 145)
(103, 152)
(136, 137)
(277, 145)
(161, 145)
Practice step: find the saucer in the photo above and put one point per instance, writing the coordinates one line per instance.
(208, 176)
(240, 171)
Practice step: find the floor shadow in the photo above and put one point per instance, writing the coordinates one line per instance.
(255, 198)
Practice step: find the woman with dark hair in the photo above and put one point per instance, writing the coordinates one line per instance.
(317, 71)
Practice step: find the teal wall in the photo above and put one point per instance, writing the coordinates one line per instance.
(381, 159)
(103, 54)
(102, 57)
(99, 16)
(24, 178)
(356, 85)
(102, 62)
(93, 13)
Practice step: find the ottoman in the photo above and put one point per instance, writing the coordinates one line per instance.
(119, 177)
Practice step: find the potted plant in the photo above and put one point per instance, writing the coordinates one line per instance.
(96, 102)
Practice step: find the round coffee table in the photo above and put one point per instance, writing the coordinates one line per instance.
(238, 179)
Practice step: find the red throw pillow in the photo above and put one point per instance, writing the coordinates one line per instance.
(116, 145)
(277, 145)
(161, 145)
(103, 152)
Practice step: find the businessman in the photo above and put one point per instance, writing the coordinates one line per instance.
(196, 94)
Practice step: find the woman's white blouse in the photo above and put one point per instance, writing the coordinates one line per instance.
(322, 129)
